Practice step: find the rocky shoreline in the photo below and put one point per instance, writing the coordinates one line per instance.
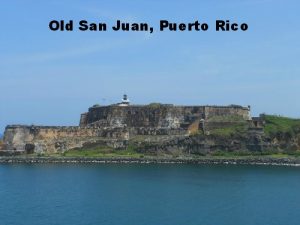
(89, 160)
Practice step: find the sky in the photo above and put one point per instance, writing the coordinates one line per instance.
(50, 78)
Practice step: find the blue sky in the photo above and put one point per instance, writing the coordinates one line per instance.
(51, 77)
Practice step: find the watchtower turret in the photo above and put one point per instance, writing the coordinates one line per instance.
(125, 101)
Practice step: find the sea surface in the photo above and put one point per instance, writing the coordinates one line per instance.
(156, 194)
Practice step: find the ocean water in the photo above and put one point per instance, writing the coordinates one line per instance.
(116, 194)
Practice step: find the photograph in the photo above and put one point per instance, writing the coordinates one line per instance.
(149, 112)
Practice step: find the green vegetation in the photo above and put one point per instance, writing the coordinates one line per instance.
(154, 105)
(217, 154)
(232, 129)
(227, 118)
(103, 152)
(245, 153)
(228, 125)
(278, 124)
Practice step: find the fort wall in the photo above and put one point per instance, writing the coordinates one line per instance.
(158, 115)
(113, 125)
(55, 139)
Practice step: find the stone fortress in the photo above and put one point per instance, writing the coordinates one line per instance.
(115, 125)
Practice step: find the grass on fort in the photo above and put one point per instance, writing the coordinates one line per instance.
(279, 124)
(216, 154)
(102, 151)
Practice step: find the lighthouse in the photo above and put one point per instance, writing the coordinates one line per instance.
(125, 101)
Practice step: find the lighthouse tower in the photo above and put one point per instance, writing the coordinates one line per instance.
(125, 101)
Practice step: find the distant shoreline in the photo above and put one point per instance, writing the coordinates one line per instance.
(152, 160)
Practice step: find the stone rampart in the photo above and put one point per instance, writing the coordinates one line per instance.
(111, 125)
(156, 115)
(55, 139)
